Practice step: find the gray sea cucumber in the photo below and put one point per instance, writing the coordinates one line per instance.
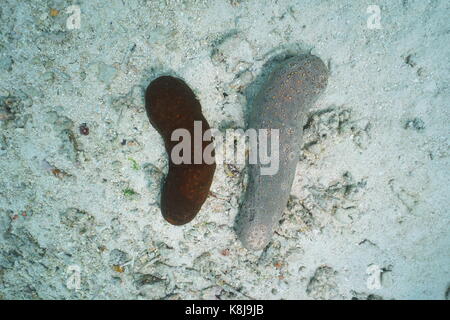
(282, 103)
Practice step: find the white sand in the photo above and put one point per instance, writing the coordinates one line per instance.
(369, 213)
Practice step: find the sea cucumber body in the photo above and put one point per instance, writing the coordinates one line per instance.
(282, 103)
(171, 105)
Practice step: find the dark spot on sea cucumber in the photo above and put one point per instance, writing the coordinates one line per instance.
(171, 105)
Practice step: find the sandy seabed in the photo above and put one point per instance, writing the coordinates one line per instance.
(368, 215)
